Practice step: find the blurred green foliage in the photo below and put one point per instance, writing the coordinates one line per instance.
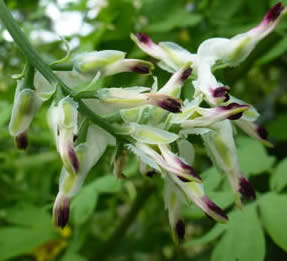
(102, 214)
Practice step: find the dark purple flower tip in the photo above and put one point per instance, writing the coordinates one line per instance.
(180, 229)
(274, 12)
(214, 208)
(143, 38)
(221, 92)
(232, 106)
(188, 170)
(22, 141)
(246, 189)
(262, 132)
(165, 102)
(62, 212)
(171, 104)
(141, 69)
(73, 158)
(185, 74)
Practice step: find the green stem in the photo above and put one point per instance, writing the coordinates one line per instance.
(61, 67)
(36, 61)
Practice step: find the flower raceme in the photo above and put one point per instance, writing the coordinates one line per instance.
(154, 122)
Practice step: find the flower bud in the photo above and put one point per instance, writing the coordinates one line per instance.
(110, 62)
(26, 104)
(135, 96)
(63, 119)
(255, 131)
(209, 116)
(222, 150)
(172, 56)
(61, 210)
(232, 52)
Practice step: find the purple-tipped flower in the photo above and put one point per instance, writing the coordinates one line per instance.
(26, 105)
(63, 121)
(206, 117)
(195, 192)
(109, 62)
(61, 211)
(180, 229)
(165, 102)
(178, 166)
(221, 92)
(172, 56)
(222, 150)
(255, 131)
(231, 52)
(246, 189)
(213, 208)
(274, 13)
(175, 82)
(22, 141)
(234, 107)
(185, 74)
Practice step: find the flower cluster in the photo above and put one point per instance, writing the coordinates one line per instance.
(155, 122)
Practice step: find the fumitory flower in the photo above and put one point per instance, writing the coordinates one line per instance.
(26, 105)
(222, 150)
(88, 153)
(63, 120)
(109, 62)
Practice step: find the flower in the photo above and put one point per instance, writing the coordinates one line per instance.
(109, 62)
(221, 147)
(63, 119)
(88, 153)
(26, 105)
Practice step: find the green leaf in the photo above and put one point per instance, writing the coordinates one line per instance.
(28, 215)
(243, 240)
(83, 205)
(277, 128)
(212, 179)
(15, 241)
(107, 184)
(274, 215)
(73, 257)
(214, 233)
(276, 51)
(179, 17)
(253, 157)
(278, 179)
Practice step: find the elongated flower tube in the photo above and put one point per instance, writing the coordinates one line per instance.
(221, 148)
(178, 165)
(136, 96)
(109, 62)
(232, 52)
(255, 131)
(174, 170)
(26, 105)
(195, 192)
(172, 56)
(175, 83)
(63, 120)
(209, 116)
(88, 154)
(167, 161)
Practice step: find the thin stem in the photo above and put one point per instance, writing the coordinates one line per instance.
(61, 67)
(36, 61)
